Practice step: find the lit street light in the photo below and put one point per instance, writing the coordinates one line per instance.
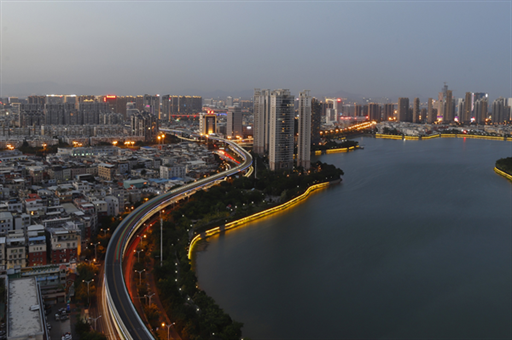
(138, 252)
(95, 252)
(168, 328)
(88, 281)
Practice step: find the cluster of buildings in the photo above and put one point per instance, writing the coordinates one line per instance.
(473, 107)
(212, 103)
(88, 109)
(274, 127)
(50, 207)
(447, 109)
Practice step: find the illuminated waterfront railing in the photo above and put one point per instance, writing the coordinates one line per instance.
(340, 150)
(384, 136)
(463, 135)
(442, 135)
(430, 137)
(255, 216)
(503, 173)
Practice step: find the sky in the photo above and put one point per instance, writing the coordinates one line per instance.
(372, 48)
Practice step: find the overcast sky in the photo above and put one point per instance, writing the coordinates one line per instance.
(378, 48)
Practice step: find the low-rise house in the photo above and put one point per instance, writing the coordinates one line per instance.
(6, 222)
(107, 171)
(112, 205)
(15, 250)
(36, 245)
(65, 242)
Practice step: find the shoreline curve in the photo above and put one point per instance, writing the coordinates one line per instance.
(234, 224)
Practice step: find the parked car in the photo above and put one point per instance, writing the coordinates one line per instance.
(57, 317)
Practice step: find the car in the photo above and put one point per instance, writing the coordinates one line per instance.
(57, 317)
(64, 318)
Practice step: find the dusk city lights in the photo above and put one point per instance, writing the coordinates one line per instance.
(253, 169)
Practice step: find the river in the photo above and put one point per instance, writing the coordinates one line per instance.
(415, 243)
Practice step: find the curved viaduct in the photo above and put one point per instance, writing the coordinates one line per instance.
(127, 321)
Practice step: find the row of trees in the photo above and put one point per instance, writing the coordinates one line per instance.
(243, 196)
(505, 164)
(332, 144)
(195, 314)
(84, 331)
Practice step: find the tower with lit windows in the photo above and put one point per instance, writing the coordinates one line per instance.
(281, 130)
(304, 137)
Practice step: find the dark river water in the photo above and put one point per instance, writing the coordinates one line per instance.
(415, 243)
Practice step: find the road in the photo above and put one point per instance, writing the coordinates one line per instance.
(126, 320)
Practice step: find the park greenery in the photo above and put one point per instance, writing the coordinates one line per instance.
(84, 331)
(25, 148)
(196, 315)
(86, 273)
(390, 131)
(332, 144)
(505, 164)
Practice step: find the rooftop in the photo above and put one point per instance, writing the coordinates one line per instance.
(23, 294)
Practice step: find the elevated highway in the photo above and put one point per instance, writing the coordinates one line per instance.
(126, 320)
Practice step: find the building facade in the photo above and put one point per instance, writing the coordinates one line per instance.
(281, 136)
(261, 121)
(234, 122)
(403, 109)
(304, 137)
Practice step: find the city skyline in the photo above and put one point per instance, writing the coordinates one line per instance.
(377, 49)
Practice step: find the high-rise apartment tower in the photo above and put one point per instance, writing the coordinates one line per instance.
(304, 138)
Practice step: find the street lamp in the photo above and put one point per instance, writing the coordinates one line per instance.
(161, 239)
(68, 288)
(168, 328)
(105, 231)
(88, 281)
(95, 321)
(138, 254)
(95, 252)
(141, 236)
(140, 275)
(150, 296)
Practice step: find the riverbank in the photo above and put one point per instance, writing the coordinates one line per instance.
(441, 135)
(234, 224)
(503, 174)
